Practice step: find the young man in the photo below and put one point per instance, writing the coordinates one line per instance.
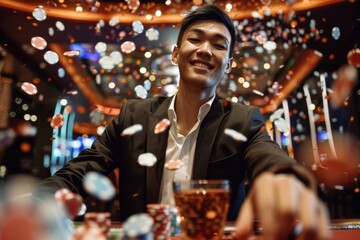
(282, 191)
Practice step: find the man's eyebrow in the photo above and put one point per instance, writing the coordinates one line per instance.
(218, 35)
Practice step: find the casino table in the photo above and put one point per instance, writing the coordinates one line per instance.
(348, 229)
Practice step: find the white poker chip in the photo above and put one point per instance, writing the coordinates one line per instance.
(147, 159)
(39, 14)
(99, 186)
(235, 135)
(277, 114)
(140, 91)
(282, 126)
(132, 130)
(138, 225)
(51, 57)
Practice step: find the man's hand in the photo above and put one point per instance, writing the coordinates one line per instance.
(286, 208)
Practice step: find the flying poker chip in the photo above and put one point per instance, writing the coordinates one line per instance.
(257, 92)
(152, 34)
(147, 159)
(353, 57)
(174, 164)
(71, 53)
(141, 91)
(57, 121)
(132, 130)
(116, 57)
(51, 57)
(128, 47)
(282, 126)
(101, 47)
(113, 21)
(39, 14)
(133, 4)
(235, 135)
(96, 116)
(60, 26)
(38, 43)
(335, 32)
(162, 126)
(99, 186)
(277, 114)
(29, 88)
(138, 27)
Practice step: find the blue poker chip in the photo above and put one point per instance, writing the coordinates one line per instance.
(99, 186)
(138, 226)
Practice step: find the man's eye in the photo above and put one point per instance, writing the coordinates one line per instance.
(193, 39)
(220, 46)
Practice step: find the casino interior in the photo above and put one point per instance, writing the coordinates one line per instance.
(67, 66)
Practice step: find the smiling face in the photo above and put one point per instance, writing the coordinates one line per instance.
(203, 56)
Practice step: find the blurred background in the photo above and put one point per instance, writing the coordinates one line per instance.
(67, 66)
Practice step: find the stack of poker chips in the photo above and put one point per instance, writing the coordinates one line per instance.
(175, 221)
(100, 220)
(161, 214)
(138, 227)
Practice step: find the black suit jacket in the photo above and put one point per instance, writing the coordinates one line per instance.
(217, 156)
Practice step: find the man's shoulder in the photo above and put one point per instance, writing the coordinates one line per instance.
(236, 106)
(148, 104)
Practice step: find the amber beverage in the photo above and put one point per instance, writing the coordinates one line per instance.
(203, 206)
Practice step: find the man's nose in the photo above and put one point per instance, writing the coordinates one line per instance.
(205, 49)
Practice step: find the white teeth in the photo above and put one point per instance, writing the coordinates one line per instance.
(202, 65)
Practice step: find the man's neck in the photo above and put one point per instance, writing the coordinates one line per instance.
(187, 107)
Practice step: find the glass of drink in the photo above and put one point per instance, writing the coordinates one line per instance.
(203, 206)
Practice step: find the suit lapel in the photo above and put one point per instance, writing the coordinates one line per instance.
(156, 144)
(206, 138)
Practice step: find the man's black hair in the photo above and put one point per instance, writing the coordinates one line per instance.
(208, 12)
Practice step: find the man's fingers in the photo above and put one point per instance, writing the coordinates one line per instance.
(265, 203)
(244, 222)
(324, 233)
(287, 189)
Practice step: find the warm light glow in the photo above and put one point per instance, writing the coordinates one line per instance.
(111, 85)
(241, 80)
(78, 9)
(158, 13)
(147, 54)
(228, 7)
(143, 70)
(63, 102)
(148, 17)
(266, 65)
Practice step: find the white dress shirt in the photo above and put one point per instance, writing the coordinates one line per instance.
(180, 147)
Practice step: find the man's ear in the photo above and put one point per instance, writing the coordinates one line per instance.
(174, 55)
(229, 65)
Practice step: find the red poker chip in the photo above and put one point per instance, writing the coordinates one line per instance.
(38, 43)
(162, 126)
(60, 194)
(100, 220)
(173, 164)
(57, 121)
(29, 88)
(71, 202)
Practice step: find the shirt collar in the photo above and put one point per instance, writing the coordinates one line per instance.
(203, 111)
